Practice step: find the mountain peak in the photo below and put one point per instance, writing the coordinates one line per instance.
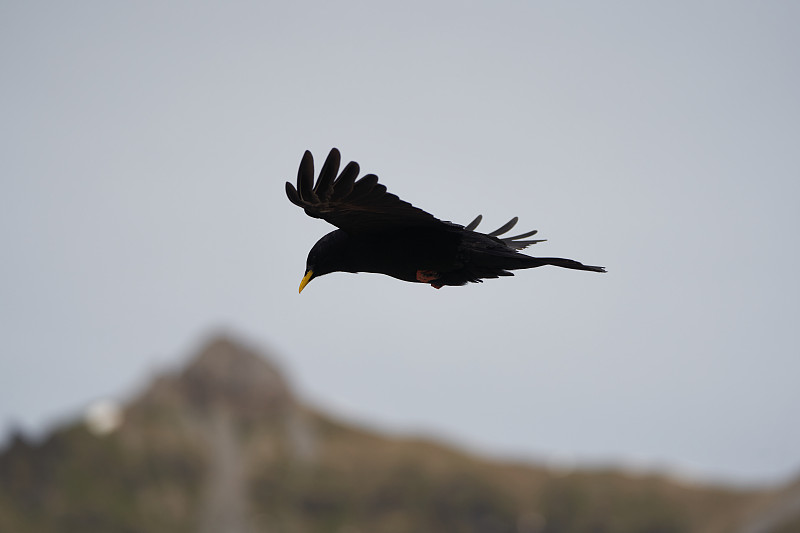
(225, 374)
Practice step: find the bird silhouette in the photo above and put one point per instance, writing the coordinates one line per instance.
(378, 232)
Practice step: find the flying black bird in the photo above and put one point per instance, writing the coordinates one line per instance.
(379, 232)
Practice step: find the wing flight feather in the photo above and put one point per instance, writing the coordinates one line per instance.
(362, 205)
(517, 242)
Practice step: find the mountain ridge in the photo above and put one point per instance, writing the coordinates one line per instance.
(224, 444)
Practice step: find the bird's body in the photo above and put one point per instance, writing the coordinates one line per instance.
(380, 233)
(399, 254)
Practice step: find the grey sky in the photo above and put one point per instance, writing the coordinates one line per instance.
(144, 146)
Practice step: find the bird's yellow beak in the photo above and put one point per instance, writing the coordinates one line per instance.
(305, 280)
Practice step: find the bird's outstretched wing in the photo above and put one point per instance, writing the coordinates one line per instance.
(356, 206)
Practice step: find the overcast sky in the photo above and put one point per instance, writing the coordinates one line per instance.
(144, 147)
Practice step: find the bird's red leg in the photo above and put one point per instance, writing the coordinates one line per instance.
(426, 276)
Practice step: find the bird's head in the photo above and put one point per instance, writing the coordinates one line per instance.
(326, 256)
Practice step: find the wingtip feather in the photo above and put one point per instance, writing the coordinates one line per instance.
(363, 186)
(305, 177)
(343, 185)
(474, 224)
(327, 175)
(291, 192)
(505, 227)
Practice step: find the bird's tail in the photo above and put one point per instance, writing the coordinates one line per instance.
(487, 256)
(524, 261)
(500, 263)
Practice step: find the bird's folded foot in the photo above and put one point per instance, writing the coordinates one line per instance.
(426, 276)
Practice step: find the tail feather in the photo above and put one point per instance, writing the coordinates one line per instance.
(533, 262)
(513, 260)
(484, 256)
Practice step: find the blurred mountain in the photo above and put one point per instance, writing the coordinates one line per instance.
(225, 446)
